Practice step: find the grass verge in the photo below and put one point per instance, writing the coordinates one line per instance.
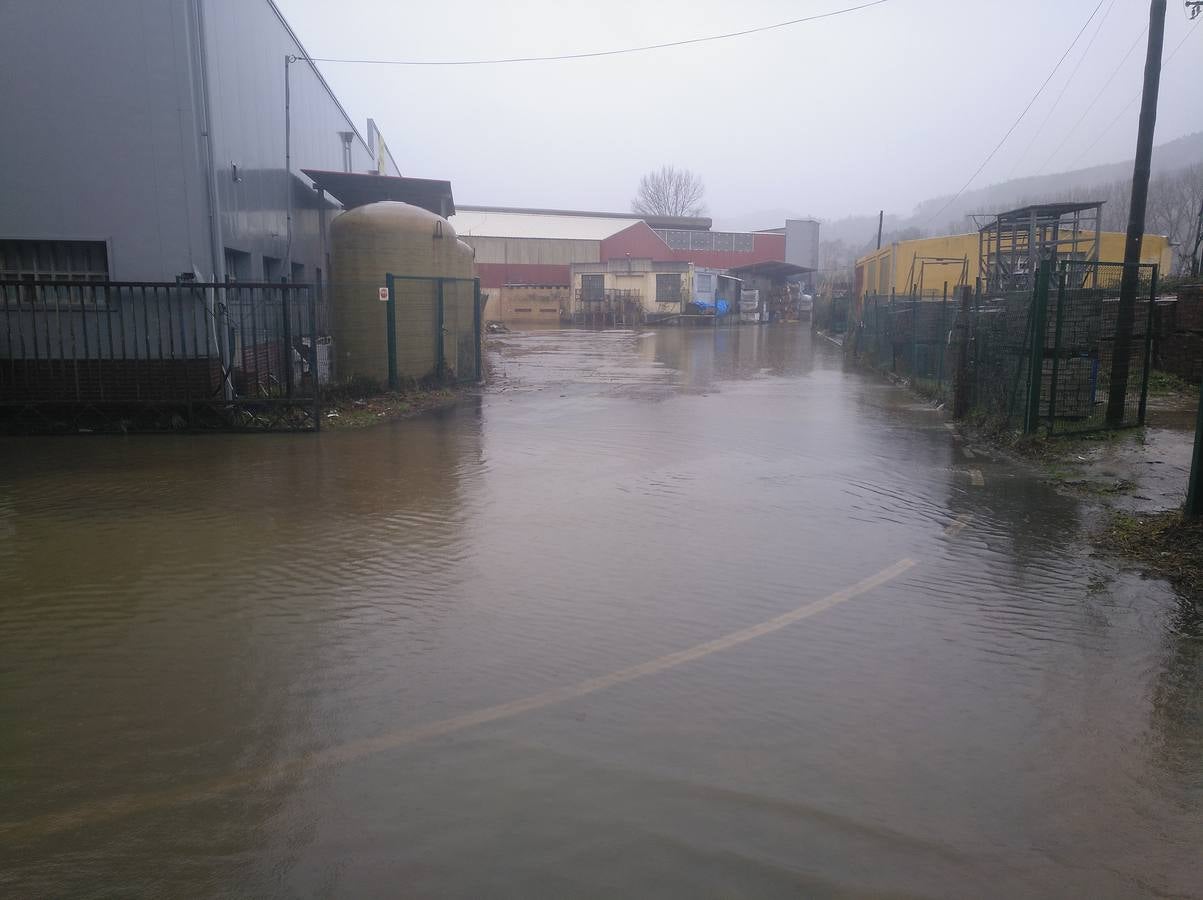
(1164, 543)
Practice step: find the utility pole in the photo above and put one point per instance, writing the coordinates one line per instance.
(1194, 256)
(1126, 314)
(881, 217)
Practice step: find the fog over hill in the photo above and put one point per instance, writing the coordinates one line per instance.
(1177, 184)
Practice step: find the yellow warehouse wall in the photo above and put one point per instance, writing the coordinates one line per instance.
(890, 267)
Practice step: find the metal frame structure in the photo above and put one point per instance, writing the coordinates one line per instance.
(1014, 243)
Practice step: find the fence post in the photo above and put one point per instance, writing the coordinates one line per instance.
(892, 318)
(286, 315)
(476, 327)
(942, 344)
(914, 339)
(960, 385)
(390, 327)
(1144, 375)
(440, 348)
(1052, 391)
(1194, 491)
(1031, 417)
(313, 373)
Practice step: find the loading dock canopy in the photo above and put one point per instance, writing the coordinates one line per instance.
(770, 269)
(353, 189)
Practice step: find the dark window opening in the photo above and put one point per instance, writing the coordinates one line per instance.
(668, 288)
(593, 287)
(238, 265)
(42, 262)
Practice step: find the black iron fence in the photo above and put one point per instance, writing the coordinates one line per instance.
(107, 356)
(1030, 359)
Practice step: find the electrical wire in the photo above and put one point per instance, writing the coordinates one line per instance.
(1096, 99)
(1068, 81)
(1135, 97)
(1015, 124)
(596, 53)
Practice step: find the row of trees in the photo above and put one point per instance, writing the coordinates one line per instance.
(1174, 205)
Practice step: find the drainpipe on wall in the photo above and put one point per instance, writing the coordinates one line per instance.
(216, 241)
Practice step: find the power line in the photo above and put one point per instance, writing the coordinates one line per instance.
(1068, 81)
(1015, 124)
(596, 53)
(1135, 97)
(1096, 99)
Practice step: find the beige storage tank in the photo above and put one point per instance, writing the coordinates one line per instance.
(418, 248)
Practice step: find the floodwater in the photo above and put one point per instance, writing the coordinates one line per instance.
(688, 613)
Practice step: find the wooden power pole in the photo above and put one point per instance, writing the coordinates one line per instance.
(1129, 284)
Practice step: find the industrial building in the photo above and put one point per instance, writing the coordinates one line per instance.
(176, 159)
(1003, 253)
(534, 252)
(205, 150)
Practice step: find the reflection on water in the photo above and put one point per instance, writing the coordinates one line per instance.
(186, 621)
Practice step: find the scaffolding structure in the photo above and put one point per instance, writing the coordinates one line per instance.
(1012, 245)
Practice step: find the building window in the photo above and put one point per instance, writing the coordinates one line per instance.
(593, 287)
(48, 262)
(238, 265)
(273, 268)
(703, 282)
(668, 288)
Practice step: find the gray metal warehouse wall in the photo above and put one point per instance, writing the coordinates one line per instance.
(103, 105)
(100, 145)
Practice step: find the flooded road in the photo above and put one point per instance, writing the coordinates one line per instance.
(686, 613)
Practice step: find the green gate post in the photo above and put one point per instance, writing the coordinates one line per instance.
(914, 339)
(1144, 375)
(942, 341)
(1194, 491)
(317, 387)
(892, 318)
(440, 350)
(390, 327)
(286, 321)
(476, 316)
(1031, 418)
(1052, 391)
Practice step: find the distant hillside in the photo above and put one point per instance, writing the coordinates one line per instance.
(842, 240)
(1167, 158)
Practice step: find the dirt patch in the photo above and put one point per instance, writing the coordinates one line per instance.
(346, 413)
(1164, 543)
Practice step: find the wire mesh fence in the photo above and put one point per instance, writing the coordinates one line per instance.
(1059, 357)
(909, 336)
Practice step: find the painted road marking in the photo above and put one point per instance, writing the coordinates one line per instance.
(137, 803)
(958, 525)
(976, 478)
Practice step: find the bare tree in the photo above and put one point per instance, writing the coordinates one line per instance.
(669, 191)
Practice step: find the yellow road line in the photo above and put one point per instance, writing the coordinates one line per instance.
(137, 803)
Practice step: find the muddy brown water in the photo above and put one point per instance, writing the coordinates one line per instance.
(378, 663)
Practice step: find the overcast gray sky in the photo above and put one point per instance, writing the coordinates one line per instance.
(878, 108)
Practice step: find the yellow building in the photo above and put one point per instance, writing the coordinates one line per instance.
(923, 265)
